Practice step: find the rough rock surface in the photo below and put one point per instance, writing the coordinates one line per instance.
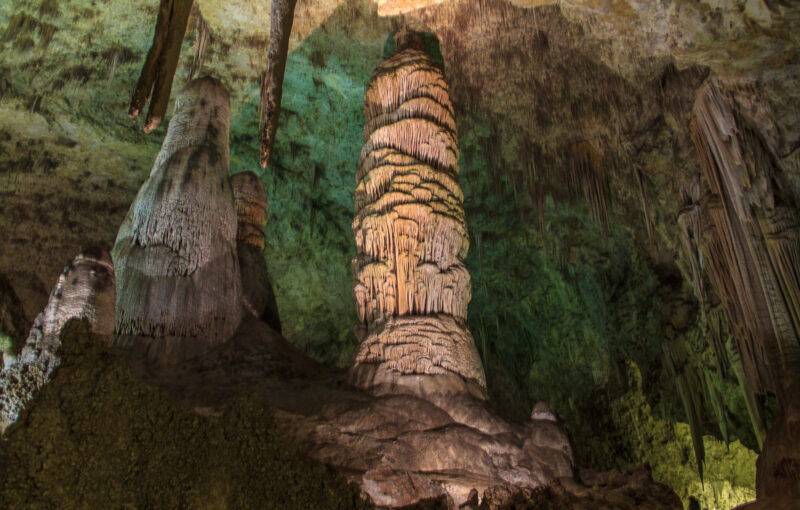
(85, 290)
(179, 289)
(251, 210)
(411, 285)
(751, 240)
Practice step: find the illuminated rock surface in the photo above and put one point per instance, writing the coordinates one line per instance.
(85, 290)
(411, 286)
(179, 290)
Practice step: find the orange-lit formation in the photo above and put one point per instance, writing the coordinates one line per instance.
(410, 283)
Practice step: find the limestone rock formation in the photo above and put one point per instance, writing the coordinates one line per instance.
(178, 283)
(751, 244)
(411, 286)
(85, 290)
(251, 210)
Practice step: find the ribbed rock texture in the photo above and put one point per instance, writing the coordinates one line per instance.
(251, 210)
(85, 290)
(178, 283)
(751, 245)
(410, 283)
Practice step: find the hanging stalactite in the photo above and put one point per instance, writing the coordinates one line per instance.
(587, 174)
(282, 16)
(155, 81)
(752, 244)
(202, 38)
(689, 225)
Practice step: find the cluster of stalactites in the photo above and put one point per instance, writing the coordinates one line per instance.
(411, 285)
(250, 199)
(588, 174)
(751, 244)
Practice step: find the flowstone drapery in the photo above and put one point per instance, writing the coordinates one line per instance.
(410, 283)
(751, 244)
(178, 284)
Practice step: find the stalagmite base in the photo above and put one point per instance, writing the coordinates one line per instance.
(178, 284)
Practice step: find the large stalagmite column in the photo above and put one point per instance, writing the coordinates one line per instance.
(410, 283)
(178, 284)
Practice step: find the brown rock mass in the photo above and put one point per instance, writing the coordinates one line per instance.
(251, 210)
(411, 286)
(751, 243)
(178, 284)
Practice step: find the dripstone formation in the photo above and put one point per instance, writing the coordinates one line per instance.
(410, 283)
(84, 290)
(178, 284)
(251, 209)
(751, 242)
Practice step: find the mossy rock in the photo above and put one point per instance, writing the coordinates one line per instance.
(98, 438)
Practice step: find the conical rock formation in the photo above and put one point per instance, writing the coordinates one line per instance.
(251, 209)
(84, 290)
(178, 283)
(410, 283)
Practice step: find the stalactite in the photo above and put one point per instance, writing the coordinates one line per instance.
(410, 283)
(282, 16)
(84, 290)
(689, 388)
(162, 60)
(178, 283)
(645, 204)
(251, 210)
(587, 173)
(752, 254)
(753, 407)
(202, 38)
(689, 224)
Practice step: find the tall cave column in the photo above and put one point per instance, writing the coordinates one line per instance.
(410, 282)
(251, 208)
(178, 283)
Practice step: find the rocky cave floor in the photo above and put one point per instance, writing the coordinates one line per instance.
(230, 428)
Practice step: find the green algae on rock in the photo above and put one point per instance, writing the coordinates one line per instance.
(98, 438)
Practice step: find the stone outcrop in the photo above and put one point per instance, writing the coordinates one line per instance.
(85, 290)
(251, 210)
(411, 286)
(178, 283)
(751, 245)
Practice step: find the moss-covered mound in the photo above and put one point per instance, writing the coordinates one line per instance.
(98, 438)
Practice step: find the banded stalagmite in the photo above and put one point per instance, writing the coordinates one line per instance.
(178, 283)
(251, 209)
(410, 282)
